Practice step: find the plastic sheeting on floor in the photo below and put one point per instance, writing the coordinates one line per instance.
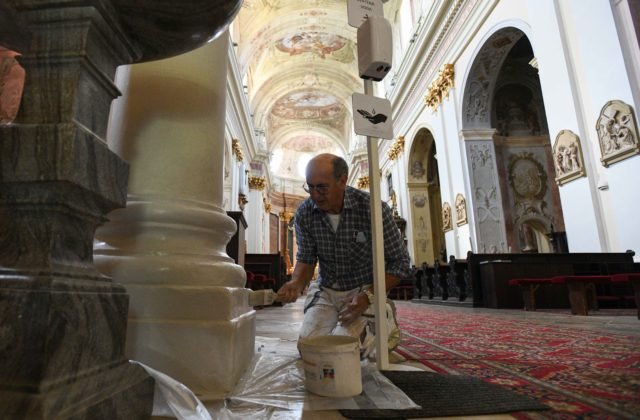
(273, 388)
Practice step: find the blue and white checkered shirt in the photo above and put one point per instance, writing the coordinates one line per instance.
(345, 256)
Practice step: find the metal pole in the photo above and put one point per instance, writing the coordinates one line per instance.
(377, 245)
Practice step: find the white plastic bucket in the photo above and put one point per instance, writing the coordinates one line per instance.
(331, 365)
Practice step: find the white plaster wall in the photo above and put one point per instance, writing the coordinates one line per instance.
(455, 160)
(581, 67)
(539, 21)
(601, 76)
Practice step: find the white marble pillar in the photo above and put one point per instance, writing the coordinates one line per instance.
(189, 316)
(254, 212)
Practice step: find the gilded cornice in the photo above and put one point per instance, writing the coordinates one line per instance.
(237, 151)
(440, 87)
(267, 205)
(363, 183)
(256, 183)
(396, 148)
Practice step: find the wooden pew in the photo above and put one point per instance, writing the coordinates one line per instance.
(490, 275)
(269, 265)
(581, 289)
(634, 279)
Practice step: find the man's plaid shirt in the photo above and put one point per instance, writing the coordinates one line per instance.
(345, 256)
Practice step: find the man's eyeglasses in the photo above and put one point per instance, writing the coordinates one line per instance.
(321, 189)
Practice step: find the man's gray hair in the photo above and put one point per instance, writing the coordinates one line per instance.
(340, 167)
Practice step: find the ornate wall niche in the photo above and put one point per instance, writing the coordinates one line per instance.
(617, 132)
(567, 157)
(461, 210)
(447, 223)
(527, 177)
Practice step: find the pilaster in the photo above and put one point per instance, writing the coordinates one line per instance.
(63, 324)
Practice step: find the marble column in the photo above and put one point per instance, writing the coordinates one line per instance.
(189, 314)
(254, 211)
(62, 324)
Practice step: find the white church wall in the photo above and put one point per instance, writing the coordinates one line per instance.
(580, 67)
(601, 76)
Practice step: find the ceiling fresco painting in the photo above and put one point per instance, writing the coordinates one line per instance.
(308, 104)
(298, 61)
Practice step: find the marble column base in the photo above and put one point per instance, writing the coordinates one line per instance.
(121, 392)
(207, 356)
(61, 349)
(189, 315)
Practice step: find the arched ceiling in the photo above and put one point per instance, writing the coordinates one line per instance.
(299, 64)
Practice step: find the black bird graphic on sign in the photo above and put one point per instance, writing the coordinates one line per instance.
(373, 118)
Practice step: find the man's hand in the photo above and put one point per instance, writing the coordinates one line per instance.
(352, 310)
(290, 291)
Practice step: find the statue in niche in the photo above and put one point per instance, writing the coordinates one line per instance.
(417, 169)
(568, 157)
(516, 111)
(446, 217)
(617, 132)
(529, 238)
(461, 210)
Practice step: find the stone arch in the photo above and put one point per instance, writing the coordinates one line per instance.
(481, 81)
(504, 121)
(424, 198)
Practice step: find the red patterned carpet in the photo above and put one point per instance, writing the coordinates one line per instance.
(577, 372)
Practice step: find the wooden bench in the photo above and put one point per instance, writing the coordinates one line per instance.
(490, 275)
(529, 288)
(582, 289)
(634, 278)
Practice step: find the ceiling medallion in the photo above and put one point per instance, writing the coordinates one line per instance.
(440, 87)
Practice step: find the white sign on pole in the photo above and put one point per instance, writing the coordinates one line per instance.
(372, 116)
(359, 10)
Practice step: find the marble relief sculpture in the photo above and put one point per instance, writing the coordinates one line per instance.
(447, 223)
(461, 210)
(567, 157)
(617, 132)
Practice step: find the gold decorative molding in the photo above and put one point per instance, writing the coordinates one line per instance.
(440, 87)
(257, 183)
(286, 216)
(363, 183)
(266, 204)
(242, 201)
(237, 151)
(396, 148)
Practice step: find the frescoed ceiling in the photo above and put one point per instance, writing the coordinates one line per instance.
(298, 60)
